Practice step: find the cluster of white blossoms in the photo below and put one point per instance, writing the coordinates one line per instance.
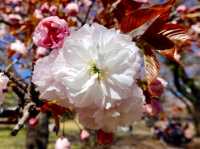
(95, 72)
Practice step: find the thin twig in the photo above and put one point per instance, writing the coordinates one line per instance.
(23, 119)
(188, 106)
(88, 12)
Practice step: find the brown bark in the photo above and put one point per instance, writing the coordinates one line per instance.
(196, 119)
(182, 83)
(37, 137)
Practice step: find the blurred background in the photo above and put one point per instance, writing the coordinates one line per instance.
(177, 113)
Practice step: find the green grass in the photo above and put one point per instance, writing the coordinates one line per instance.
(18, 142)
(9, 142)
(140, 138)
(71, 131)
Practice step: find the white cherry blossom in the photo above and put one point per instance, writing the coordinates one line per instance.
(96, 72)
(101, 66)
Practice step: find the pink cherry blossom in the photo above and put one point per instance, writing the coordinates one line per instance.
(62, 143)
(153, 108)
(14, 18)
(45, 8)
(196, 28)
(156, 88)
(84, 134)
(38, 14)
(142, 1)
(50, 32)
(18, 47)
(53, 10)
(72, 9)
(40, 52)
(97, 78)
(13, 1)
(181, 8)
(86, 2)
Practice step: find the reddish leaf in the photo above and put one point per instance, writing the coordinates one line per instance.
(157, 25)
(161, 35)
(175, 32)
(137, 18)
(151, 64)
(104, 137)
(159, 42)
(171, 54)
(54, 108)
(125, 7)
(115, 9)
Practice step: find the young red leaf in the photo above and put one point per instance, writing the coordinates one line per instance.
(162, 36)
(159, 42)
(115, 9)
(151, 64)
(54, 108)
(124, 7)
(175, 32)
(137, 18)
(171, 54)
(157, 25)
(104, 137)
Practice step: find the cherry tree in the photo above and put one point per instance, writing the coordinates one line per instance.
(96, 59)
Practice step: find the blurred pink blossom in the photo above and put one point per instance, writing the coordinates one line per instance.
(84, 134)
(163, 81)
(40, 52)
(13, 1)
(50, 32)
(38, 14)
(44, 8)
(72, 9)
(62, 143)
(18, 9)
(18, 47)
(33, 121)
(181, 8)
(142, 1)
(53, 10)
(153, 108)
(86, 2)
(14, 18)
(156, 87)
(196, 28)
(3, 29)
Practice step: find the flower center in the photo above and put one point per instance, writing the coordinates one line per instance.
(93, 69)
